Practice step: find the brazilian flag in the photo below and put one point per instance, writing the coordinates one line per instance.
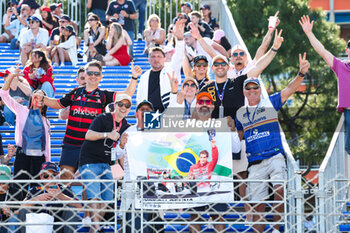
(182, 161)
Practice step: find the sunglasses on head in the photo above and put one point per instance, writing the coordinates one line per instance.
(216, 64)
(201, 102)
(95, 73)
(199, 64)
(190, 85)
(45, 176)
(255, 87)
(236, 54)
(121, 104)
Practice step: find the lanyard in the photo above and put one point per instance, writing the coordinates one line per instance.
(251, 121)
(82, 104)
(221, 96)
(114, 126)
(200, 84)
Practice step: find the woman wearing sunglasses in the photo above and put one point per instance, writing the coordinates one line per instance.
(66, 50)
(199, 71)
(94, 35)
(32, 135)
(183, 101)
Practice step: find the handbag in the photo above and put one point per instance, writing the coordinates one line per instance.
(46, 223)
(34, 139)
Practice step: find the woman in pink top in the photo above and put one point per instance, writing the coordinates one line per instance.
(32, 136)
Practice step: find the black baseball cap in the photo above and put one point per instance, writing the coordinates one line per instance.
(198, 58)
(144, 102)
(65, 17)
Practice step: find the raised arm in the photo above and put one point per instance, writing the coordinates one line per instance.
(264, 61)
(136, 72)
(195, 33)
(266, 41)
(295, 83)
(316, 44)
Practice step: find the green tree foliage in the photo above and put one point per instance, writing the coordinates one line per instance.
(310, 120)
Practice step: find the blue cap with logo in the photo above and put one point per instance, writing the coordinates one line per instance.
(251, 80)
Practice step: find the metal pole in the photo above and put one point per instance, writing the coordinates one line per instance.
(331, 11)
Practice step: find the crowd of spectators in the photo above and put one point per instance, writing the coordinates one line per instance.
(218, 81)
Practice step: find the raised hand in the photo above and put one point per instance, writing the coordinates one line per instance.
(135, 70)
(277, 22)
(303, 64)
(194, 31)
(174, 82)
(179, 29)
(306, 24)
(278, 39)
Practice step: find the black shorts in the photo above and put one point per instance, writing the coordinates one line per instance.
(70, 155)
(210, 209)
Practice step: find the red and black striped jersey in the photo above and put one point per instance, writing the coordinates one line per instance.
(84, 107)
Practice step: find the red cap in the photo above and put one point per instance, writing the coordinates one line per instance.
(201, 94)
(46, 8)
(5, 72)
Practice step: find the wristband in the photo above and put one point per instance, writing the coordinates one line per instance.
(301, 74)
(274, 50)
(134, 78)
(104, 135)
(175, 93)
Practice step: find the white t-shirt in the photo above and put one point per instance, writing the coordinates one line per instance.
(12, 30)
(41, 38)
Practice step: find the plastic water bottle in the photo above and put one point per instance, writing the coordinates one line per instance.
(33, 42)
(91, 40)
(121, 19)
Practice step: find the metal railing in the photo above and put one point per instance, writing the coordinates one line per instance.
(335, 165)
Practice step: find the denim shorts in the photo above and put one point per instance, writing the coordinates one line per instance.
(70, 155)
(97, 190)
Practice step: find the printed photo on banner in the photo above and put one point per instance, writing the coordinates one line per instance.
(178, 170)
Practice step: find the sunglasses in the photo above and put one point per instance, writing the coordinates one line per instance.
(201, 102)
(216, 64)
(45, 176)
(236, 54)
(255, 87)
(33, 21)
(180, 17)
(63, 21)
(199, 64)
(190, 85)
(92, 20)
(121, 104)
(95, 73)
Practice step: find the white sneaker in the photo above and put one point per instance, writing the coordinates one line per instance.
(86, 222)
(62, 64)
(139, 36)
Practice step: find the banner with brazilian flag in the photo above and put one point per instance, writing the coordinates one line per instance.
(181, 170)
